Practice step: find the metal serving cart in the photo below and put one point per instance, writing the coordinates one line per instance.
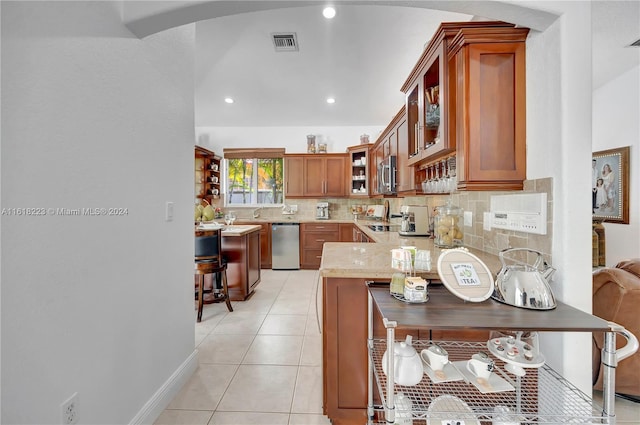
(540, 396)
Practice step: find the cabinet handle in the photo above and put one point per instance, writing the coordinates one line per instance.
(320, 240)
(318, 256)
(319, 227)
(415, 137)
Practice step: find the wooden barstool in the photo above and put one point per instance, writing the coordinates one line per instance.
(208, 260)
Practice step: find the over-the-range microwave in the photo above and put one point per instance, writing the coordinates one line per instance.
(387, 176)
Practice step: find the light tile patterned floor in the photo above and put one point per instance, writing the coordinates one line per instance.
(262, 363)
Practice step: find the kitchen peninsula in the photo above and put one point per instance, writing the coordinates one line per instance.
(241, 251)
(345, 269)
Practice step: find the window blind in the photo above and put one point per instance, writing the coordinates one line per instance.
(248, 153)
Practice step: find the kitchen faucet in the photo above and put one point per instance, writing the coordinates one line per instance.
(256, 212)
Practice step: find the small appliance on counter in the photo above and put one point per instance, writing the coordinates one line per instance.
(322, 211)
(415, 220)
(375, 212)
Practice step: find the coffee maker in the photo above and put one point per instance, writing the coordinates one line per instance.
(322, 211)
(415, 220)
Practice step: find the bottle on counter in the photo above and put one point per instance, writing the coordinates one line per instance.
(448, 230)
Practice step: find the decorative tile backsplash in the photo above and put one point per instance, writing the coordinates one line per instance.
(491, 241)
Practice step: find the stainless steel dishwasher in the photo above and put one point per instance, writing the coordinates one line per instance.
(285, 246)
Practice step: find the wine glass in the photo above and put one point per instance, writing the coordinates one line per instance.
(228, 219)
(232, 216)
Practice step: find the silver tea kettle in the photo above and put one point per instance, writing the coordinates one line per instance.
(523, 285)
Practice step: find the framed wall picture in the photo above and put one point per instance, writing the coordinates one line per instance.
(610, 185)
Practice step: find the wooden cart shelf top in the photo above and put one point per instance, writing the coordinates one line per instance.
(446, 311)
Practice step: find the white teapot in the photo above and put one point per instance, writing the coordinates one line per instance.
(407, 364)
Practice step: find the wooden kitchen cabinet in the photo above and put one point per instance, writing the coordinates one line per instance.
(377, 156)
(490, 108)
(315, 175)
(294, 174)
(466, 97)
(393, 141)
(312, 239)
(346, 232)
(345, 346)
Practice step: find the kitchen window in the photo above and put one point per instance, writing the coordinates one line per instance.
(254, 177)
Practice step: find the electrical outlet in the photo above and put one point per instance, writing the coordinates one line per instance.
(69, 410)
(468, 218)
(293, 208)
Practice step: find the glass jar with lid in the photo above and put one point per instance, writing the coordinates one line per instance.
(311, 143)
(447, 226)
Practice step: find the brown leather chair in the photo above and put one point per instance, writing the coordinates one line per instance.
(616, 298)
(208, 260)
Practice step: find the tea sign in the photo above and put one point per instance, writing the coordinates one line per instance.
(465, 274)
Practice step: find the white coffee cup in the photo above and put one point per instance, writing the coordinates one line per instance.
(215, 191)
(480, 365)
(214, 179)
(435, 357)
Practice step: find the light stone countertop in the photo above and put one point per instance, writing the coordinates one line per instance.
(236, 229)
(373, 260)
(240, 229)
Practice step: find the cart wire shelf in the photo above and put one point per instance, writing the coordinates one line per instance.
(542, 396)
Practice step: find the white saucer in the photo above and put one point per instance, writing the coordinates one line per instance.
(450, 373)
(451, 405)
(495, 383)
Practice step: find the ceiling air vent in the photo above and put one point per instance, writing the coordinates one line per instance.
(285, 42)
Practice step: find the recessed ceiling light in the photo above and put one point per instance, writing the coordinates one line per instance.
(329, 12)
(331, 100)
(228, 100)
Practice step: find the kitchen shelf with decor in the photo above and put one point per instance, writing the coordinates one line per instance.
(207, 175)
(537, 394)
(359, 175)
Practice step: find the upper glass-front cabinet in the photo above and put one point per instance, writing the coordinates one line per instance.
(427, 110)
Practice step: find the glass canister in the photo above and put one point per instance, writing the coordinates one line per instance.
(311, 143)
(448, 229)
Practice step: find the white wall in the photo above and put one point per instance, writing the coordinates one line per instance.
(616, 108)
(559, 146)
(293, 139)
(94, 117)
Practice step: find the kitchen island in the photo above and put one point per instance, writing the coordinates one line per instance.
(241, 251)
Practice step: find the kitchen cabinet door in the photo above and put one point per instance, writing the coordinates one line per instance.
(314, 176)
(335, 176)
(404, 173)
(325, 175)
(346, 232)
(490, 122)
(294, 174)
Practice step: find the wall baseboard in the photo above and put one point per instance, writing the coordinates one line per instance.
(161, 399)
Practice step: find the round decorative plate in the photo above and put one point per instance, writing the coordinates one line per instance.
(465, 275)
(451, 406)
